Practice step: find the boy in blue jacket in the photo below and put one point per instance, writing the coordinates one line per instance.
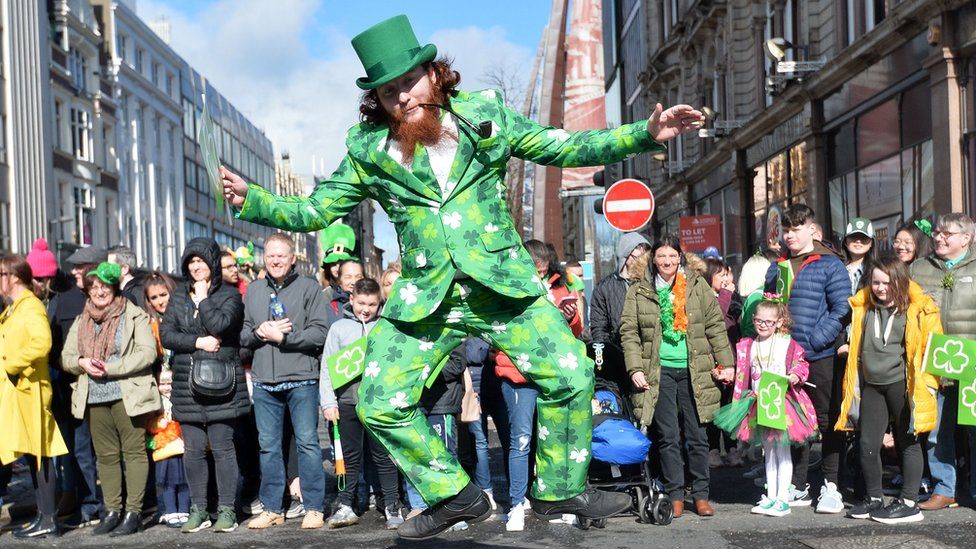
(818, 301)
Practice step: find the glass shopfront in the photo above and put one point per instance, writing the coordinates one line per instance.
(780, 181)
(879, 165)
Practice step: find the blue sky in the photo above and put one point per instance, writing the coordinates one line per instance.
(289, 67)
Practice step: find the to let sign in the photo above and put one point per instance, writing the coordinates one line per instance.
(700, 231)
(628, 205)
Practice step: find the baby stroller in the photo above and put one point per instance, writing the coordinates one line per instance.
(620, 457)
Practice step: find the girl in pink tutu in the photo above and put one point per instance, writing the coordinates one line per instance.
(775, 351)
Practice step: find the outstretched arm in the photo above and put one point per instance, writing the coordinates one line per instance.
(332, 198)
(557, 147)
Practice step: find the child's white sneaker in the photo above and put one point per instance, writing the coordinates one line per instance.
(763, 507)
(799, 498)
(779, 509)
(516, 519)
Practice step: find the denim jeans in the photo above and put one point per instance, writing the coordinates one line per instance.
(445, 426)
(482, 470)
(942, 443)
(269, 411)
(520, 400)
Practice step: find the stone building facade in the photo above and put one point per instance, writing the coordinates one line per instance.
(875, 121)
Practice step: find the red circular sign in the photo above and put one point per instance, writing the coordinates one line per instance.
(628, 205)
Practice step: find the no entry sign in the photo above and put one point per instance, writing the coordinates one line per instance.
(628, 205)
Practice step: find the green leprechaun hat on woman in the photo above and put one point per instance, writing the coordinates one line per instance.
(388, 50)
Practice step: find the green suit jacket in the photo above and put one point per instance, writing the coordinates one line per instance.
(470, 229)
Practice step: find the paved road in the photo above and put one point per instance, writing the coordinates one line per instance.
(732, 526)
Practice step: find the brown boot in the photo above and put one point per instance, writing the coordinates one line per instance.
(937, 502)
(703, 508)
(679, 508)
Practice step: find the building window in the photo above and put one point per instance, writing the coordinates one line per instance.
(139, 60)
(189, 129)
(879, 165)
(120, 46)
(155, 74)
(81, 134)
(84, 213)
(78, 67)
(58, 123)
(170, 87)
(108, 147)
(861, 16)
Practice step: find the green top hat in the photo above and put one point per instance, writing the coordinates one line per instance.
(338, 239)
(109, 273)
(388, 50)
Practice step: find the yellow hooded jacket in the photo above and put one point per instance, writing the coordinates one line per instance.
(25, 383)
(923, 319)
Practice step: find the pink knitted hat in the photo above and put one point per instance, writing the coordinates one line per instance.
(41, 260)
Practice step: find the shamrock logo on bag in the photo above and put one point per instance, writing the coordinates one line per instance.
(771, 399)
(951, 357)
(350, 362)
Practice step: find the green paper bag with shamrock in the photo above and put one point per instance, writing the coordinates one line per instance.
(347, 365)
(950, 357)
(966, 414)
(771, 400)
(784, 282)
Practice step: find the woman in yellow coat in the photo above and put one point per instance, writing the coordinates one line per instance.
(890, 325)
(25, 391)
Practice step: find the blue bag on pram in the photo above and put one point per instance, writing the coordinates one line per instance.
(615, 439)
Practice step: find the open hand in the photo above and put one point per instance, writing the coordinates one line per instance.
(235, 188)
(668, 124)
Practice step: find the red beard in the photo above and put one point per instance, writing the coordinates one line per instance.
(427, 130)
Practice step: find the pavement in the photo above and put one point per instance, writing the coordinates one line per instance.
(732, 526)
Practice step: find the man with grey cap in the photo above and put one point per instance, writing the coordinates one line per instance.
(81, 497)
(609, 294)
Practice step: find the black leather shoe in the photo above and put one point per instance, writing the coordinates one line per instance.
(591, 504)
(44, 526)
(130, 524)
(109, 522)
(445, 514)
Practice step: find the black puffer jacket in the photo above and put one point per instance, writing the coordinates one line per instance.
(221, 314)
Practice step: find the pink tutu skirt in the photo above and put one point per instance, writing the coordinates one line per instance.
(801, 421)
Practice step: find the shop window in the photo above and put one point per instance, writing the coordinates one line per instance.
(879, 189)
(842, 203)
(840, 143)
(776, 172)
(877, 133)
(916, 115)
(799, 170)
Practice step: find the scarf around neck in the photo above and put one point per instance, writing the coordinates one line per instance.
(100, 346)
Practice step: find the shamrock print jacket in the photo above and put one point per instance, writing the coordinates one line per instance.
(470, 229)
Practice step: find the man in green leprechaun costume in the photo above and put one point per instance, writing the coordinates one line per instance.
(434, 159)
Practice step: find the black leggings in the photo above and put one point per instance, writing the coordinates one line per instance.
(44, 482)
(220, 437)
(355, 440)
(828, 375)
(881, 405)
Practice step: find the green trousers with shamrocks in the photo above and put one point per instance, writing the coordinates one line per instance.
(534, 334)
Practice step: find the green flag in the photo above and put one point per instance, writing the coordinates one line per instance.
(771, 401)
(967, 402)
(347, 365)
(784, 283)
(950, 357)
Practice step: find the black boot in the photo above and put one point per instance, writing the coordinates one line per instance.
(129, 525)
(591, 504)
(43, 526)
(471, 505)
(108, 523)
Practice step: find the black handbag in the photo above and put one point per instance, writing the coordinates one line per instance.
(213, 378)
